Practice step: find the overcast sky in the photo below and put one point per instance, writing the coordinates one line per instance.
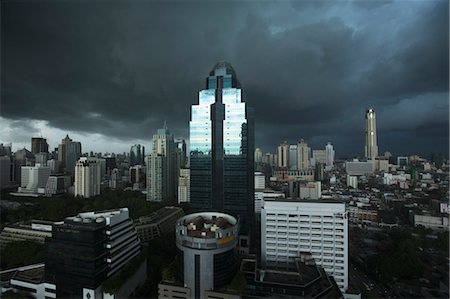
(109, 74)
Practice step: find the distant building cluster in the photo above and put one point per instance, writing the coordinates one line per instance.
(272, 225)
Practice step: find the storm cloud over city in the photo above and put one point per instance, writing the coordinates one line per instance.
(110, 74)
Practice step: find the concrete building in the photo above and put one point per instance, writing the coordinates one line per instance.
(22, 157)
(87, 249)
(157, 224)
(41, 158)
(206, 245)
(352, 181)
(184, 186)
(289, 227)
(329, 156)
(283, 175)
(39, 145)
(55, 166)
(381, 164)
(302, 155)
(137, 177)
(5, 171)
(258, 155)
(260, 181)
(33, 178)
(87, 177)
(319, 156)
(311, 190)
(402, 161)
(433, 222)
(283, 155)
(162, 170)
(362, 215)
(261, 194)
(34, 230)
(371, 147)
(359, 167)
(305, 280)
(31, 281)
(57, 184)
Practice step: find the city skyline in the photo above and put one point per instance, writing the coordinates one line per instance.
(310, 71)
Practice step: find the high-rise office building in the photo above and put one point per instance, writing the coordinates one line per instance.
(162, 168)
(283, 155)
(73, 153)
(258, 155)
(62, 151)
(206, 252)
(22, 157)
(293, 157)
(182, 153)
(68, 154)
(222, 148)
(137, 154)
(33, 178)
(87, 177)
(319, 156)
(302, 155)
(87, 249)
(371, 148)
(329, 156)
(289, 227)
(39, 145)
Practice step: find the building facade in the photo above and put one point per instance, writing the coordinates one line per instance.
(289, 227)
(162, 168)
(222, 148)
(33, 178)
(302, 155)
(39, 145)
(184, 186)
(371, 148)
(87, 249)
(283, 155)
(137, 154)
(206, 252)
(87, 177)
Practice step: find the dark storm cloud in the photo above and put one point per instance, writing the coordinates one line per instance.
(309, 68)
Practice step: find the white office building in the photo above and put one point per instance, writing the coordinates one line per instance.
(260, 181)
(289, 227)
(293, 157)
(33, 178)
(87, 177)
(311, 190)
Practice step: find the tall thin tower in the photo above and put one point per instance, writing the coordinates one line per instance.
(371, 149)
(222, 148)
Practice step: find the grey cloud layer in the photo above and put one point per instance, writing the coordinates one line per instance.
(309, 68)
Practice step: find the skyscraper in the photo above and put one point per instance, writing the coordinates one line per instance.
(371, 149)
(162, 169)
(137, 155)
(222, 148)
(73, 153)
(87, 177)
(329, 156)
(302, 155)
(39, 145)
(283, 155)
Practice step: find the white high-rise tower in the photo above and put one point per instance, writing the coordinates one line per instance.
(371, 149)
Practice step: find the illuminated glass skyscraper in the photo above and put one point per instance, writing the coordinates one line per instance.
(222, 147)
